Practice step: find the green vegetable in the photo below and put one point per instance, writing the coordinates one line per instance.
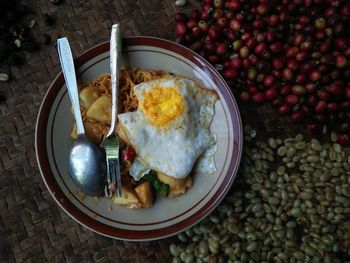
(161, 188)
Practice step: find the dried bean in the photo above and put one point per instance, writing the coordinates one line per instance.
(272, 143)
(282, 151)
(252, 246)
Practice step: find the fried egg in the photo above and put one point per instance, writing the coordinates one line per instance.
(170, 129)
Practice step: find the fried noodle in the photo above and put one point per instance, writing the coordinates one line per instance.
(127, 101)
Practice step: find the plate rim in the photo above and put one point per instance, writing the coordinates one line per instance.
(114, 232)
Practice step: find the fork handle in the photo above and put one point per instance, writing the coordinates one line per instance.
(115, 63)
(67, 64)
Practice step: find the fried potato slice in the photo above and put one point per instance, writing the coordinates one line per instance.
(95, 131)
(177, 186)
(144, 192)
(122, 134)
(101, 109)
(88, 95)
(129, 198)
(171, 181)
(174, 192)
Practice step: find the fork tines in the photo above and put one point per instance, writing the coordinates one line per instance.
(113, 180)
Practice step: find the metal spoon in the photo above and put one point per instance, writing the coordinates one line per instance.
(86, 161)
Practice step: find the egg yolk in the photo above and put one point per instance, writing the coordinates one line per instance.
(161, 105)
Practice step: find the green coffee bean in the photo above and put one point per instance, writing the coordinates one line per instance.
(213, 245)
(309, 251)
(339, 210)
(305, 195)
(182, 237)
(224, 240)
(313, 158)
(299, 255)
(174, 250)
(196, 238)
(183, 256)
(273, 176)
(290, 233)
(314, 245)
(249, 194)
(273, 200)
(223, 208)
(337, 147)
(277, 227)
(316, 194)
(327, 239)
(258, 165)
(255, 257)
(281, 170)
(291, 152)
(196, 230)
(215, 236)
(214, 219)
(258, 177)
(300, 145)
(190, 248)
(189, 258)
(256, 208)
(316, 147)
(282, 256)
(233, 228)
(282, 151)
(346, 190)
(252, 246)
(189, 232)
(291, 165)
(327, 259)
(299, 137)
(203, 229)
(272, 143)
(296, 212)
(251, 236)
(229, 250)
(332, 155)
(203, 247)
(256, 187)
(335, 248)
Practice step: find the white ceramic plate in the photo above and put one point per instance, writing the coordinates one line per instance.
(168, 216)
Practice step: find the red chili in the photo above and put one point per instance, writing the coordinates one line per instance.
(129, 154)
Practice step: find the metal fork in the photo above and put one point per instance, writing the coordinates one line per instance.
(111, 142)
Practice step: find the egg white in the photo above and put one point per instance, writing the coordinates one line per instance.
(173, 148)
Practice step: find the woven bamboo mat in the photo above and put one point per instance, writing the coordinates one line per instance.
(32, 227)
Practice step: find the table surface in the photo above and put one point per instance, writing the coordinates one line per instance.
(32, 227)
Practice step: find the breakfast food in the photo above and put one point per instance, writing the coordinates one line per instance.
(163, 125)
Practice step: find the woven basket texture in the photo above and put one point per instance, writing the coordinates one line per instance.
(32, 226)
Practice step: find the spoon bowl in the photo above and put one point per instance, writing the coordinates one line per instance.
(86, 163)
(86, 166)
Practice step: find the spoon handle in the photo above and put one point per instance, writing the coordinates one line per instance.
(67, 64)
